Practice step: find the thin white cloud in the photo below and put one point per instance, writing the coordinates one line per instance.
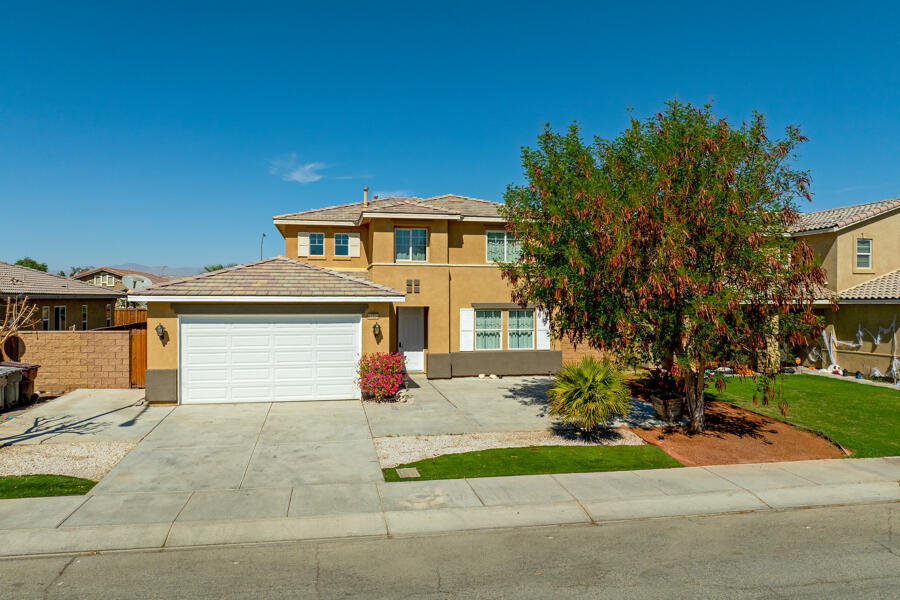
(393, 194)
(289, 170)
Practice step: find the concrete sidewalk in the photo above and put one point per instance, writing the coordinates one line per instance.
(108, 521)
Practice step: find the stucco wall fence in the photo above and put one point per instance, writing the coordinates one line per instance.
(78, 359)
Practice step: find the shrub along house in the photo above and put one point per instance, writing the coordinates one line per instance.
(414, 275)
(859, 247)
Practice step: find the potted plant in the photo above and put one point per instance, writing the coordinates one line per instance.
(668, 401)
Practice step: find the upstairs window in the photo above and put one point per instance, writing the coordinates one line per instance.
(410, 244)
(317, 244)
(341, 244)
(863, 253)
(502, 247)
(488, 329)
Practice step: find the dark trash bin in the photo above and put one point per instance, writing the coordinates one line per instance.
(29, 374)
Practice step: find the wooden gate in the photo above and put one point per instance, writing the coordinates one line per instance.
(138, 357)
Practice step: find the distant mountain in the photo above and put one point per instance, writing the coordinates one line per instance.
(163, 271)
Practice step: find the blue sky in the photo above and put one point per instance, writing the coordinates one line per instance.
(171, 133)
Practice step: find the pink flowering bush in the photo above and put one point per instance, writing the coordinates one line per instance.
(381, 374)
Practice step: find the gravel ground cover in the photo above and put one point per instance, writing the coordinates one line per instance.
(398, 450)
(89, 460)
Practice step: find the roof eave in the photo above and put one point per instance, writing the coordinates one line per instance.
(313, 222)
(869, 301)
(219, 299)
(416, 216)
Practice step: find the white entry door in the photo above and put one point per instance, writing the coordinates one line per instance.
(269, 358)
(411, 337)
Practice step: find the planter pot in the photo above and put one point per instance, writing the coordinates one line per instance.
(668, 407)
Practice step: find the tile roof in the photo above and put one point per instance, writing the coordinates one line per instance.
(452, 205)
(16, 280)
(886, 287)
(121, 272)
(838, 218)
(278, 276)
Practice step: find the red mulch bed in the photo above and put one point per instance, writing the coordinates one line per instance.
(735, 435)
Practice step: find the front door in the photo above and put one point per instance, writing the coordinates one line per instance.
(411, 337)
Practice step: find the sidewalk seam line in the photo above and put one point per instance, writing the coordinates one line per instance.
(468, 483)
(387, 528)
(181, 510)
(576, 498)
(74, 510)
(255, 444)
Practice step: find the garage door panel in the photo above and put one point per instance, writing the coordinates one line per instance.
(250, 341)
(292, 357)
(207, 341)
(264, 359)
(201, 358)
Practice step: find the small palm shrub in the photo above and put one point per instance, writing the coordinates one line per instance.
(587, 393)
(381, 374)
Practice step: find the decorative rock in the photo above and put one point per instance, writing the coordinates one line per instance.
(408, 472)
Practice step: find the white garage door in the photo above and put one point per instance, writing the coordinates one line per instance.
(269, 359)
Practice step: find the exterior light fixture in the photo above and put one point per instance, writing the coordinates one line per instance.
(160, 331)
(376, 329)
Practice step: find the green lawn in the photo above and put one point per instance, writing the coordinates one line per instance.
(534, 460)
(862, 418)
(33, 486)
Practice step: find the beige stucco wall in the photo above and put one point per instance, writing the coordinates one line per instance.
(454, 275)
(329, 260)
(872, 318)
(837, 251)
(885, 235)
(163, 354)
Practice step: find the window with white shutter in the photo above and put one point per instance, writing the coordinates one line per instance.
(303, 243)
(466, 329)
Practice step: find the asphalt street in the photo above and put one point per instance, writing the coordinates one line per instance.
(835, 552)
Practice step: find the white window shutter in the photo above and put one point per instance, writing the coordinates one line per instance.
(303, 243)
(543, 330)
(466, 329)
(354, 243)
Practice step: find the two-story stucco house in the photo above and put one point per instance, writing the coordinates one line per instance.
(413, 275)
(859, 247)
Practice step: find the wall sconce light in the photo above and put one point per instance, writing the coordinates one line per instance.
(376, 329)
(160, 331)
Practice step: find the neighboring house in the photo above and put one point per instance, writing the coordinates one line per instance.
(414, 275)
(62, 303)
(859, 247)
(111, 278)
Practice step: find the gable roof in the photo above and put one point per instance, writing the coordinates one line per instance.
(451, 206)
(120, 272)
(834, 219)
(277, 279)
(16, 280)
(886, 287)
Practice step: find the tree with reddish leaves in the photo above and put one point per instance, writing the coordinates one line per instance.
(667, 244)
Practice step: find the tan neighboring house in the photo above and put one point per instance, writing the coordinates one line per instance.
(62, 303)
(109, 277)
(859, 247)
(413, 275)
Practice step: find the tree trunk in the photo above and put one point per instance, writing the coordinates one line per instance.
(694, 388)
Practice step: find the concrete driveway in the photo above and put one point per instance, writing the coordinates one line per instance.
(84, 416)
(243, 446)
